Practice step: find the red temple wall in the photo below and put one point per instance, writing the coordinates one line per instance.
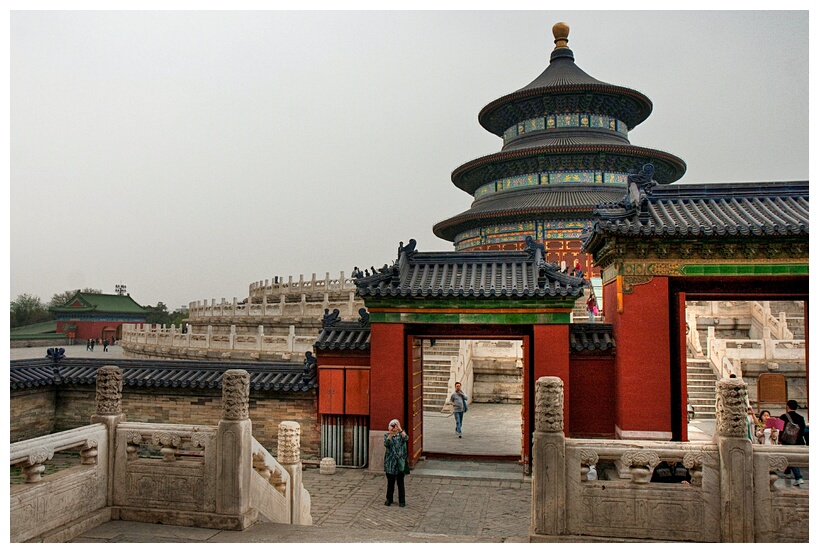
(551, 358)
(642, 378)
(556, 251)
(388, 392)
(592, 396)
(91, 329)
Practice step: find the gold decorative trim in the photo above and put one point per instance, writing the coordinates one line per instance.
(629, 282)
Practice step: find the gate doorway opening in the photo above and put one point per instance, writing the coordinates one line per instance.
(758, 334)
(761, 341)
(491, 374)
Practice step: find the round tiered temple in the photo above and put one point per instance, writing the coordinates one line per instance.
(565, 150)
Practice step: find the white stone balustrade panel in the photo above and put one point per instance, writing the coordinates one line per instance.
(58, 499)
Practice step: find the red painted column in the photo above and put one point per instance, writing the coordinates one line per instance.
(551, 358)
(388, 391)
(643, 361)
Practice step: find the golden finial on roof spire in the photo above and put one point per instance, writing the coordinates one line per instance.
(561, 33)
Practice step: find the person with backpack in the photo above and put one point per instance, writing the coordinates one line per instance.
(793, 434)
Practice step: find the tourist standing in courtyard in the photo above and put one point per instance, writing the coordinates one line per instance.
(396, 462)
(458, 401)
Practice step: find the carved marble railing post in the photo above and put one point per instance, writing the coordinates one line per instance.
(109, 413)
(548, 459)
(234, 464)
(289, 456)
(736, 462)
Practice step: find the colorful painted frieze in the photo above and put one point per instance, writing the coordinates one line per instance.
(564, 121)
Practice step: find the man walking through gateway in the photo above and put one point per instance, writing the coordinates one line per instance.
(458, 401)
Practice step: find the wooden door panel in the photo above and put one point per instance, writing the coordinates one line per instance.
(357, 392)
(331, 391)
(416, 403)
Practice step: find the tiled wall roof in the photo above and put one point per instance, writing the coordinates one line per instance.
(163, 373)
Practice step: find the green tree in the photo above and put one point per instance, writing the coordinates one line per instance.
(179, 315)
(59, 299)
(28, 310)
(159, 315)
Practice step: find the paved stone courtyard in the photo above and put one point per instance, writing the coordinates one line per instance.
(484, 509)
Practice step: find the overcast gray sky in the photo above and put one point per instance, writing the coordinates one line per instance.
(188, 154)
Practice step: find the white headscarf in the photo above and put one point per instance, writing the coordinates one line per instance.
(394, 421)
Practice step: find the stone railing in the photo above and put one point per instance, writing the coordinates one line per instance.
(764, 324)
(692, 337)
(47, 507)
(144, 339)
(277, 285)
(498, 348)
(201, 311)
(727, 355)
(187, 475)
(735, 492)
(717, 309)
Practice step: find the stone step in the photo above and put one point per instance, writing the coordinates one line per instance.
(702, 373)
(702, 402)
(694, 400)
(441, 350)
(437, 366)
(435, 369)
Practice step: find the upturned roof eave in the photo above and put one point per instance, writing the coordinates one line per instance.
(485, 115)
(459, 173)
(449, 228)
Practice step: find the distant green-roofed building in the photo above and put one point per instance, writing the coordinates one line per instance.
(97, 316)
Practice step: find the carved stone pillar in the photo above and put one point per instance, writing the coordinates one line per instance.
(736, 462)
(289, 456)
(548, 459)
(109, 413)
(234, 450)
(109, 390)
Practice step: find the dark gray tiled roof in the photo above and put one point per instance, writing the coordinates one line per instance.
(535, 204)
(478, 274)
(163, 373)
(344, 336)
(591, 337)
(757, 209)
(622, 158)
(572, 87)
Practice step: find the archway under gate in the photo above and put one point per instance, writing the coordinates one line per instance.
(490, 372)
